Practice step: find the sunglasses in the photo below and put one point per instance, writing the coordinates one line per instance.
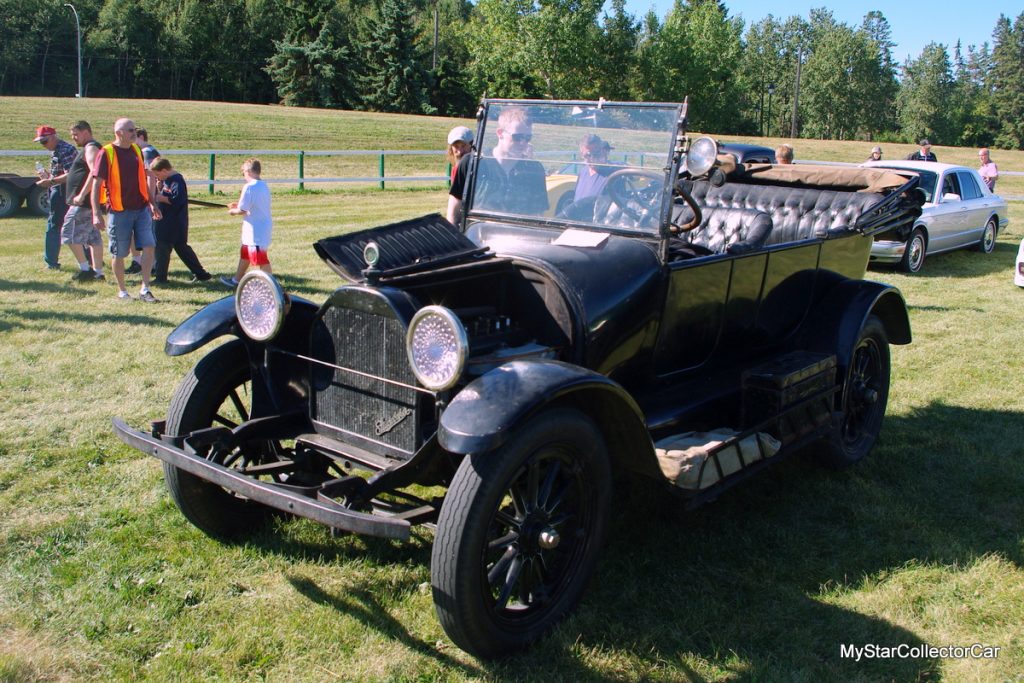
(595, 155)
(520, 137)
(127, 130)
(45, 140)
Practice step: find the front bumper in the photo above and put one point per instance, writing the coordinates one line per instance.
(303, 503)
(887, 251)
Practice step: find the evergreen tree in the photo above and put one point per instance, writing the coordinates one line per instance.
(310, 66)
(395, 79)
(1008, 81)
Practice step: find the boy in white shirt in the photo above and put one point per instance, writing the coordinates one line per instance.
(254, 205)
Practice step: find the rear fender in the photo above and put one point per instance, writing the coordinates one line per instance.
(488, 411)
(838, 318)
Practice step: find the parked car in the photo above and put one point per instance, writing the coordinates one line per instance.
(1018, 271)
(15, 189)
(499, 378)
(748, 154)
(959, 211)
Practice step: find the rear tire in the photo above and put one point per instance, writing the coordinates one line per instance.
(10, 200)
(520, 533)
(862, 397)
(215, 392)
(987, 243)
(914, 254)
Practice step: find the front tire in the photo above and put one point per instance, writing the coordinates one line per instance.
(217, 391)
(863, 397)
(519, 534)
(915, 252)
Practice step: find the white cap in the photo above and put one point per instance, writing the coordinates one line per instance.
(460, 133)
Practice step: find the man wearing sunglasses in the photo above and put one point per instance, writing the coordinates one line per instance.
(508, 180)
(592, 179)
(62, 155)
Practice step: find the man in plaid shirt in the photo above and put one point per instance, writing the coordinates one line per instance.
(62, 155)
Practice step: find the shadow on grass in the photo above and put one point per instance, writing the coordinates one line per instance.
(759, 585)
(364, 606)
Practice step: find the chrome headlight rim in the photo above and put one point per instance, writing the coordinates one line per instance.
(701, 156)
(269, 287)
(461, 349)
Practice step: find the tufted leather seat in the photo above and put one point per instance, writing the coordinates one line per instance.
(796, 213)
(726, 230)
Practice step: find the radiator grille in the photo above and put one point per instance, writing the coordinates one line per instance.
(348, 406)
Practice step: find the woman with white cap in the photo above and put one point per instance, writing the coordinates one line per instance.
(876, 154)
(460, 142)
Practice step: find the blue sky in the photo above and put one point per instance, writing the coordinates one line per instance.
(914, 23)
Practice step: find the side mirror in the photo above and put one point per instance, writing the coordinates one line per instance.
(951, 197)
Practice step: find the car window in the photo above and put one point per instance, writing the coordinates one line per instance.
(968, 185)
(950, 185)
(525, 147)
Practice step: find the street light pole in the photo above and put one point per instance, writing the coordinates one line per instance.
(78, 30)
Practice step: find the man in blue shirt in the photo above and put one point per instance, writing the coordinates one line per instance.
(592, 179)
(62, 155)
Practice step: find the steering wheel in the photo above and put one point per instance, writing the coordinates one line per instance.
(636, 191)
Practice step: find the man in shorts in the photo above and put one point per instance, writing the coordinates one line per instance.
(123, 185)
(78, 231)
(254, 205)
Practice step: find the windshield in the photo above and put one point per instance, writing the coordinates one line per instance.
(573, 162)
(927, 182)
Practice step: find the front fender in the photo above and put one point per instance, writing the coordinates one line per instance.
(218, 319)
(487, 411)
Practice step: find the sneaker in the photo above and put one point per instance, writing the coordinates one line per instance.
(53, 266)
(98, 277)
(84, 275)
(159, 280)
(148, 297)
(202, 277)
(134, 269)
(228, 281)
(124, 296)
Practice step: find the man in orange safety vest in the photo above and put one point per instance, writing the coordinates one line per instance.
(129, 194)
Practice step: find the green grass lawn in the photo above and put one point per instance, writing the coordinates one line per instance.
(101, 578)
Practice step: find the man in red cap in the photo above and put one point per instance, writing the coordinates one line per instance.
(62, 155)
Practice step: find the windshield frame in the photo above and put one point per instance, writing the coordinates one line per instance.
(670, 151)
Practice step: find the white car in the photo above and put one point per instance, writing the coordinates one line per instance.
(959, 211)
(1018, 272)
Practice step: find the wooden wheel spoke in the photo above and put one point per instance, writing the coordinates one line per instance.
(549, 482)
(239, 406)
(500, 567)
(502, 542)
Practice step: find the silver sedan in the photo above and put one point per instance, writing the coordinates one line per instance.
(959, 211)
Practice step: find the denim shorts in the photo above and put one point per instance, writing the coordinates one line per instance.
(122, 225)
(78, 227)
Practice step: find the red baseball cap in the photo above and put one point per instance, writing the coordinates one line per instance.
(44, 131)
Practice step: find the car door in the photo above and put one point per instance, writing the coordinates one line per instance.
(977, 207)
(948, 218)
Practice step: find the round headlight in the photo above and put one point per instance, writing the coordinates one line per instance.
(701, 156)
(437, 347)
(260, 305)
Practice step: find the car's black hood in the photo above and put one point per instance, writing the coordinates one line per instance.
(615, 286)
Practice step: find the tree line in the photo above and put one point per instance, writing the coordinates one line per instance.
(799, 76)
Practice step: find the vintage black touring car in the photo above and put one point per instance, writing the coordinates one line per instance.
(685, 319)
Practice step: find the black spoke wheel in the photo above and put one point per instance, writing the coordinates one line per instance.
(10, 200)
(863, 397)
(38, 201)
(519, 534)
(216, 392)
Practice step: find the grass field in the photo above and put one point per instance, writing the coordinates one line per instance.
(101, 578)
